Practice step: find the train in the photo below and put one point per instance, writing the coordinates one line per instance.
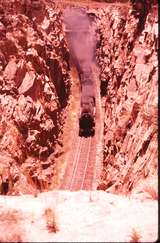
(87, 104)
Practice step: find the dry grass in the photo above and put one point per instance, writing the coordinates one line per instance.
(135, 236)
(10, 230)
(14, 237)
(10, 216)
(51, 221)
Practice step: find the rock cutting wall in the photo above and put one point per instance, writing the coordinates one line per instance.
(128, 61)
(34, 90)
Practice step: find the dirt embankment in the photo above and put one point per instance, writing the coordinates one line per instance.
(34, 90)
(128, 60)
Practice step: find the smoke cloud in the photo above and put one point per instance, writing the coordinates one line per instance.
(81, 37)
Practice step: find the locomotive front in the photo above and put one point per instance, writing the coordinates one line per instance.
(87, 113)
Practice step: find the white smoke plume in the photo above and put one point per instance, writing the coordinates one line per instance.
(80, 36)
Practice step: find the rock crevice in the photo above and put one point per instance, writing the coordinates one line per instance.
(35, 86)
(128, 60)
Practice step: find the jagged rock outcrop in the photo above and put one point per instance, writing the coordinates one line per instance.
(129, 72)
(35, 85)
(34, 90)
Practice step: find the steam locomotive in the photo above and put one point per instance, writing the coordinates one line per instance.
(88, 105)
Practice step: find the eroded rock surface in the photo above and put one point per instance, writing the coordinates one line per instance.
(34, 90)
(128, 60)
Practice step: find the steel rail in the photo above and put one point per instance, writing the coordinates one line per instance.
(81, 162)
(87, 162)
(76, 162)
(70, 164)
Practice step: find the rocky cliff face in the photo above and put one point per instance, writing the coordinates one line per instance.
(128, 61)
(34, 90)
(35, 86)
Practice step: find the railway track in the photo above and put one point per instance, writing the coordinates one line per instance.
(80, 166)
(82, 169)
(80, 172)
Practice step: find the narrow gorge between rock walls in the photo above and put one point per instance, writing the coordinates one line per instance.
(119, 43)
(78, 121)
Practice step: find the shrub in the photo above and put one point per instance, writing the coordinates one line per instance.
(51, 220)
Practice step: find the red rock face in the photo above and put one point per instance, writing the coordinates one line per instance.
(35, 84)
(128, 61)
(34, 89)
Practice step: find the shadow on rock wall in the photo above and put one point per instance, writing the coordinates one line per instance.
(34, 91)
(129, 70)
